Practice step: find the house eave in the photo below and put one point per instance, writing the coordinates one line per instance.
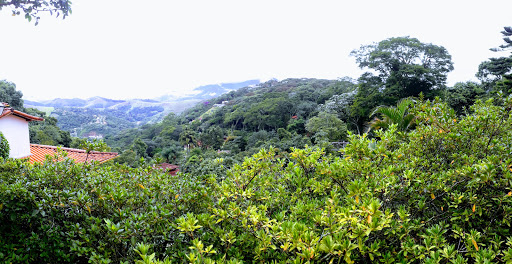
(27, 117)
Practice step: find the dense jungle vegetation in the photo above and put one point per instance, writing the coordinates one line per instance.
(426, 176)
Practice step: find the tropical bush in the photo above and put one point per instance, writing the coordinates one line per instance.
(65, 212)
(440, 193)
(4, 147)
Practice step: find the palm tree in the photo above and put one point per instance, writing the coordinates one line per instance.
(394, 115)
(188, 137)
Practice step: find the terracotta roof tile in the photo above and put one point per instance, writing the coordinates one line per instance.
(171, 168)
(39, 153)
(9, 111)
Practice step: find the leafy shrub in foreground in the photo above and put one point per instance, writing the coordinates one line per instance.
(66, 212)
(438, 194)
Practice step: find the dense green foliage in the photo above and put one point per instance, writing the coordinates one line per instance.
(9, 94)
(398, 116)
(4, 147)
(57, 212)
(243, 121)
(440, 193)
(326, 126)
(261, 181)
(47, 132)
(84, 122)
(405, 67)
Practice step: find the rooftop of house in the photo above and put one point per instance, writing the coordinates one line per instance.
(6, 110)
(171, 168)
(39, 153)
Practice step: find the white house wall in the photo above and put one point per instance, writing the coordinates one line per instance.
(15, 130)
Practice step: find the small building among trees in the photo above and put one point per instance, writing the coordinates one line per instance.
(14, 127)
(168, 168)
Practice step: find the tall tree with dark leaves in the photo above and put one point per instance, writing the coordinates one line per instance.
(494, 69)
(10, 95)
(405, 65)
(400, 67)
(496, 73)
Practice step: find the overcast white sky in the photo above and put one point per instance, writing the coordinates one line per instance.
(144, 49)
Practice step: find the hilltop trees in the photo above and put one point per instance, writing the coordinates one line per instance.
(404, 67)
(10, 95)
(496, 73)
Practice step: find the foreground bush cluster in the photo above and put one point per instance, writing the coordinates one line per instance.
(439, 194)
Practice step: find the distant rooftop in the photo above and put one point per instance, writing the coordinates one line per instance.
(170, 168)
(39, 153)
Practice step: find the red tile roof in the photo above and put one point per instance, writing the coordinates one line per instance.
(172, 169)
(9, 111)
(39, 153)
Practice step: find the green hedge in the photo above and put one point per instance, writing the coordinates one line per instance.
(63, 212)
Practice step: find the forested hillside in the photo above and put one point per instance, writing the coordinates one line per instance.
(424, 177)
(97, 117)
(440, 193)
(298, 112)
(242, 121)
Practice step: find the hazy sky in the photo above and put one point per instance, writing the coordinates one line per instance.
(143, 49)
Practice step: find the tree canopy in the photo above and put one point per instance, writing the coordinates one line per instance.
(10, 95)
(400, 67)
(327, 126)
(496, 73)
(494, 69)
(406, 64)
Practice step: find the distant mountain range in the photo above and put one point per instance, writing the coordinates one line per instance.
(198, 94)
(209, 91)
(99, 116)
